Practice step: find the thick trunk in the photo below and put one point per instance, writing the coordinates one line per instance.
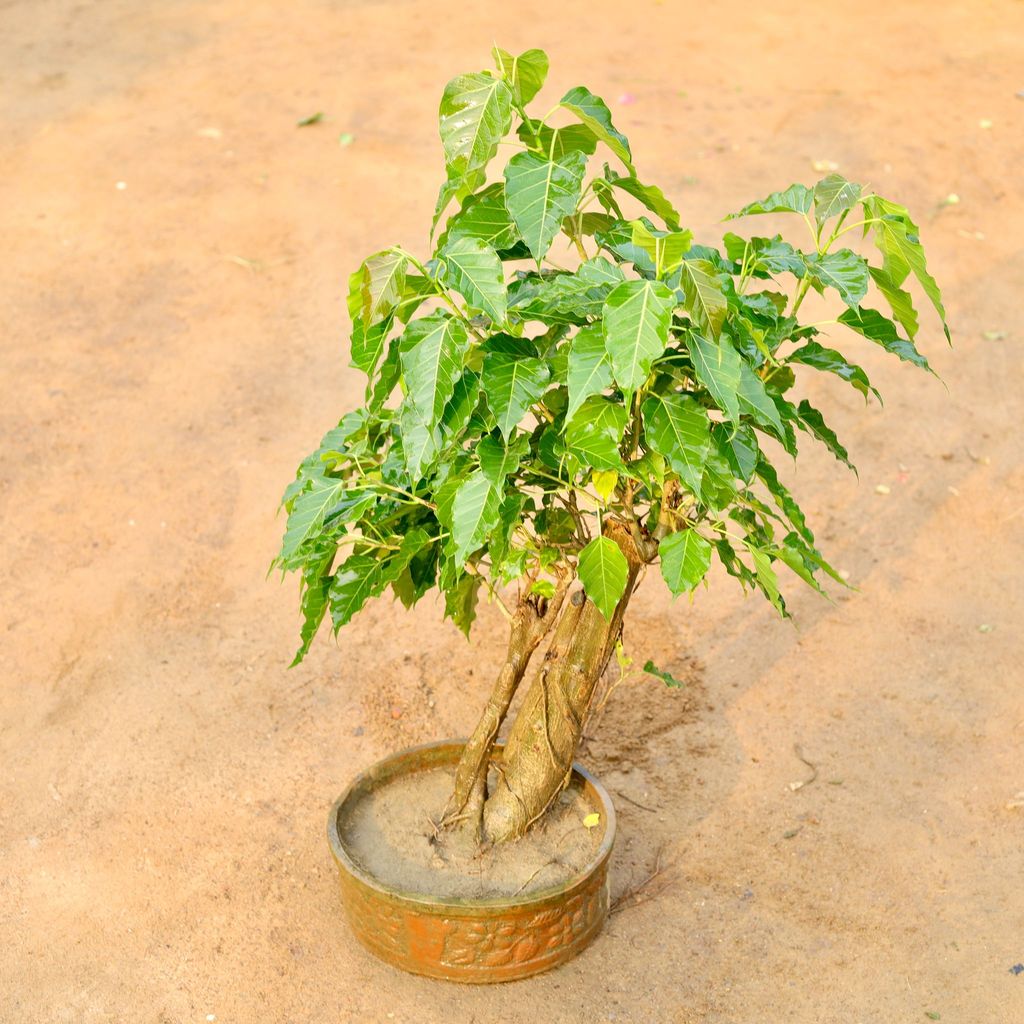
(542, 743)
(532, 621)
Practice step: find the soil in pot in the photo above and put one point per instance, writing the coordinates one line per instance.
(389, 832)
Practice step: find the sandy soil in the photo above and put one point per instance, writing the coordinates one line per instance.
(172, 347)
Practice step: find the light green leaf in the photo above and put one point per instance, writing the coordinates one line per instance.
(316, 583)
(512, 384)
(900, 302)
(475, 114)
(433, 362)
(421, 441)
(795, 199)
(473, 269)
(603, 571)
(590, 369)
(525, 74)
(594, 433)
(368, 344)
(475, 514)
(381, 284)
(460, 601)
(718, 367)
(703, 296)
(897, 238)
(594, 113)
(539, 193)
(637, 315)
(556, 142)
(834, 195)
(766, 577)
(666, 677)
(666, 248)
(685, 559)
(677, 427)
(308, 511)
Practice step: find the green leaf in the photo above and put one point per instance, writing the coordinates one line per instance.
(897, 239)
(843, 270)
(594, 113)
(666, 248)
(563, 298)
(460, 601)
(473, 269)
(484, 216)
(316, 582)
(312, 119)
(637, 315)
(594, 433)
(512, 384)
(900, 302)
(755, 401)
(814, 422)
(590, 369)
(475, 114)
(357, 580)
(703, 296)
(766, 578)
(498, 460)
(382, 281)
(718, 367)
(603, 571)
(795, 199)
(433, 362)
(830, 361)
(834, 195)
(556, 142)
(739, 446)
(881, 330)
(368, 344)
(677, 427)
(525, 74)
(421, 440)
(650, 195)
(666, 677)
(474, 514)
(765, 255)
(539, 193)
(308, 512)
(685, 560)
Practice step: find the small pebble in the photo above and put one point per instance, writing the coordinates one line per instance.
(985, 628)
(396, 712)
(984, 123)
(121, 185)
(882, 489)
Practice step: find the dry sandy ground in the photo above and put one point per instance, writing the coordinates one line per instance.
(172, 347)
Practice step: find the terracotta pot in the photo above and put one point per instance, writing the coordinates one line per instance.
(471, 940)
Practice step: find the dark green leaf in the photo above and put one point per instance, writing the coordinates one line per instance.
(666, 677)
(814, 422)
(834, 195)
(433, 362)
(484, 216)
(843, 270)
(474, 514)
(556, 142)
(830, 361)
(882, 331)
(703, 296)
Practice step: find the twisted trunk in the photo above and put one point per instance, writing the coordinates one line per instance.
(538, 756)
(532, 621)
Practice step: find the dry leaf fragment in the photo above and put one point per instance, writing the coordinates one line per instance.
(592, 820)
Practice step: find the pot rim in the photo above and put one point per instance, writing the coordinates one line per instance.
(458, 906)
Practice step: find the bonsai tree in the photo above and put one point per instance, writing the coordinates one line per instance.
(571, 389)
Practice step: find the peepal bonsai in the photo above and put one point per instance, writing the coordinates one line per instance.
(571, 389)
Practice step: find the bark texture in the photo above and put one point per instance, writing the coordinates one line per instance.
(532, 621)
(542, 743)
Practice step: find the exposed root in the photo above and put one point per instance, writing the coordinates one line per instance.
(643, 892)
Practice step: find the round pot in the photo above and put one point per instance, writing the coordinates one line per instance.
(470, 940)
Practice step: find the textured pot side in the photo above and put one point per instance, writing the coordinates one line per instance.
(466, 940)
